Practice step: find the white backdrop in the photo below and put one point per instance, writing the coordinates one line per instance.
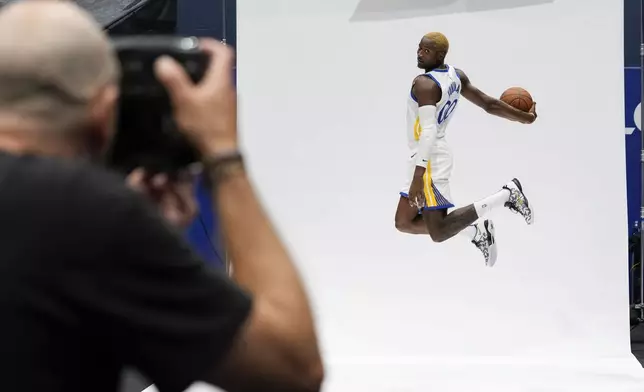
(322, 114)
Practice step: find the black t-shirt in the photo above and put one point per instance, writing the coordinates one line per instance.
(93, 280)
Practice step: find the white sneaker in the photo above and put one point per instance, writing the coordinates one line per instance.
(518, 202)
(486, 241)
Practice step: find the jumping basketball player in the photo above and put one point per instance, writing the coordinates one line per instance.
(425, 199)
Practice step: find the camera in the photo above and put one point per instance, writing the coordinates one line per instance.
(146, 133)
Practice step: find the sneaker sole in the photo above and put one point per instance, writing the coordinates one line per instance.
(489, 227)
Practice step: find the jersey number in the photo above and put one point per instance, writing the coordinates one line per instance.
(447, 110)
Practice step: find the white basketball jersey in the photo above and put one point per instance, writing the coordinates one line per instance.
(450, 85)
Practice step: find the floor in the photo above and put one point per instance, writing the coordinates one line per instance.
(133, 382)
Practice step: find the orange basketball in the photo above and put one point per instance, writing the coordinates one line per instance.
(518, 98)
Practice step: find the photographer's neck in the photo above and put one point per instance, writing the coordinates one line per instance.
(25, 137)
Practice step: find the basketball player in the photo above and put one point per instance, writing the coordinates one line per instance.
(425, 199)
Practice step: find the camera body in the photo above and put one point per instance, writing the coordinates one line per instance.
(147, 135)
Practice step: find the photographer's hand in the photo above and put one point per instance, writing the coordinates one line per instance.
(206, 112)
(175, 197)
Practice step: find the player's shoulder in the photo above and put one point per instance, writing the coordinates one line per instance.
(425, 81)
(460, 73)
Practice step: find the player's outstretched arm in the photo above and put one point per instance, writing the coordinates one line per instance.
(492, 105)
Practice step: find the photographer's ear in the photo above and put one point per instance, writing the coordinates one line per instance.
(101, 119)
(103, 109)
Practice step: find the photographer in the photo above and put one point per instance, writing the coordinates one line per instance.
(93, 278)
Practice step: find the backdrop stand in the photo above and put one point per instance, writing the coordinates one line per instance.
(640, 302)
(224, 13)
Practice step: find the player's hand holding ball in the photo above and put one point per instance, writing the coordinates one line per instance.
(519, 98)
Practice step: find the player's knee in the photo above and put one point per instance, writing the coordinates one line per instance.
(402, 225)
(436, 234)
(436, 237)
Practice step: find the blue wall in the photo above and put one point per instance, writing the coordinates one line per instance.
(218, 19)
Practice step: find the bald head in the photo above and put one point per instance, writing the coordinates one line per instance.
(53, 57)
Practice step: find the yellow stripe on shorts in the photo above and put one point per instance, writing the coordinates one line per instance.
(430, 197)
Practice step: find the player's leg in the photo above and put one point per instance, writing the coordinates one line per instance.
(510, 196)
(442, 225)
(481, 233)
(408, 218)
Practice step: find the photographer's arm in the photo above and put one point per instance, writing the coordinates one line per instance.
(277, 348)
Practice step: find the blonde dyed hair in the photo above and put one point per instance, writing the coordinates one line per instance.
(440, 42)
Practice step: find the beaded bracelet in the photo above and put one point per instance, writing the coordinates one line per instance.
(222, 166)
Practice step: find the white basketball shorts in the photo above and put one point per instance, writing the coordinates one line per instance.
(436, 178)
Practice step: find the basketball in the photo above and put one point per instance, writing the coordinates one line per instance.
(517, 97)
